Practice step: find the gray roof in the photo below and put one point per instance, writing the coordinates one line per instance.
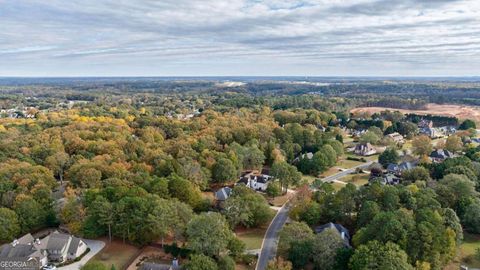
(57, 241)
(27, 238)
(441, 154)
(390, 179)
(223, 193)
(338, 227)
(74, 245)
(262, 179)
(404, 166)
(243, 180)
(17, 251)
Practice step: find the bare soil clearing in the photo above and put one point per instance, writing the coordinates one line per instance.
(459, 111)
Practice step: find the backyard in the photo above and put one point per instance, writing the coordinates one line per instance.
(117, 253)
(466, 253)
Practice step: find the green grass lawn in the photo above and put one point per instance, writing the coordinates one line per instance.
(308, 178)
(356, 179)
(280, 200)
(372, 157)
(347, 164)
(253, 237)
(330, 171)
(337, 186)
(467, 250)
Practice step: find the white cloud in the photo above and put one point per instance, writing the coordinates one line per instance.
(240, 37)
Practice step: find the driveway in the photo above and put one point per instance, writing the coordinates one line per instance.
(95, 247)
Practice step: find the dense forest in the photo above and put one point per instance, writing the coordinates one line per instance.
(132, 160)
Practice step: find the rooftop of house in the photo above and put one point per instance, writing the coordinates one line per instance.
(57, 241)
(17, 251)
(364, 146)
(223, 193)
(390, 179)
(338, 227)
(401, 167)
(441, 153)
(27, 246)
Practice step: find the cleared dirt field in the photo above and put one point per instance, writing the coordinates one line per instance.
(459, 111)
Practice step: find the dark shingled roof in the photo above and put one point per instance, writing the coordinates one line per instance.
(338, 227)
(74, 245)
(223, 193)
(441, 154)
(57, 241)
(17, 251)
(243, 180)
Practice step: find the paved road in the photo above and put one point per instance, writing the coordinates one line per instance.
(269, 246)
(270, 242)
(95, 247)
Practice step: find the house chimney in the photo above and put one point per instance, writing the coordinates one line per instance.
(15, 242)
(37, 241)
(343, 235)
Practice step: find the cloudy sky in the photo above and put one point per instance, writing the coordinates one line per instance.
(239, 37)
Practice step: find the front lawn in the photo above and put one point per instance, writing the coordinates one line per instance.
(356, 179)
(347, 164)
(308, 178)
(330, 171)
(280, 200)
(372, 157)
(253, 237)
(466, 253)
(337, 186)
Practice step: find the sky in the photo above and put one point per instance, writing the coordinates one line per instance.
(239, 38)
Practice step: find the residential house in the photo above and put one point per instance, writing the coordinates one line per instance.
(398, 169)
(358, 133)
(390, 179)
(431, 132)
(448, 130)
(222, 195)
(255, 180)
(308, 155)
(440, 155)
(396, 137)
(342, 231)
(26, 248)
(55, 248)
(425, 124)
(365, 149)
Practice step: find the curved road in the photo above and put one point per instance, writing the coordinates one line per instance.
(270, 241)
